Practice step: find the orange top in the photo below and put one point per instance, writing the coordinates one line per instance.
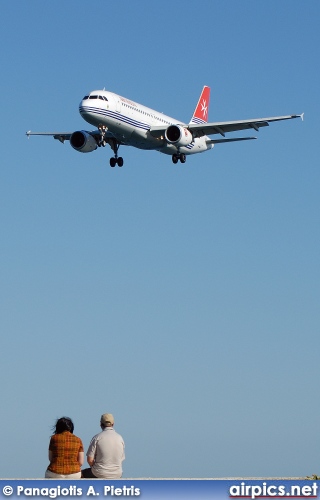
(65, 448)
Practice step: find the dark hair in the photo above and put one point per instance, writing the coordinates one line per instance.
(63, 424)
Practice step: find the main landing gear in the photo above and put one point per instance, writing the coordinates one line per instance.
(177, 157)
(116, 160)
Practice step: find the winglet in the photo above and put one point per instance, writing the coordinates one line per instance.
(298, 116)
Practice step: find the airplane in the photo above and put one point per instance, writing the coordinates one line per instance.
(121, 121)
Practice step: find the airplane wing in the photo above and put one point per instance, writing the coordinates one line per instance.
(199, 130)
(61, 136)
(65, 136)
(222, 128)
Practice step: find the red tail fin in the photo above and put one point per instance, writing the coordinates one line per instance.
(201, 112)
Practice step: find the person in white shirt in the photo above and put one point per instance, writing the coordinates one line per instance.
(106, 452)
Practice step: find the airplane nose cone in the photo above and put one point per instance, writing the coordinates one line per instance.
(87, 112)
(81, 107)
(84, 110)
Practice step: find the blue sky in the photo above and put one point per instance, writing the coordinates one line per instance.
(184, 299)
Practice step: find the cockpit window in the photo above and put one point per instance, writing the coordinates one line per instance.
(103, 98)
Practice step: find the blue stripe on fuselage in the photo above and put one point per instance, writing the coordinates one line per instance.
(115, 115)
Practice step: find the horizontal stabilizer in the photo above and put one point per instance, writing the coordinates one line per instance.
(217, 141)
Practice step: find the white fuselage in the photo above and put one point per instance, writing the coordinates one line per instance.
(130, 122)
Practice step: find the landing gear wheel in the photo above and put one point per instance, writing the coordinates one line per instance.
(113, 162)
(175, 159)
(120, 161)
(182, 158)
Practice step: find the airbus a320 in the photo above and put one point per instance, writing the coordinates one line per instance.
(121, 121)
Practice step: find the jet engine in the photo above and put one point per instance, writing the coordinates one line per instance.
(82, 141)
(178, 135)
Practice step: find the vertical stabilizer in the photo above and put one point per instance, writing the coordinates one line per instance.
(201, 112)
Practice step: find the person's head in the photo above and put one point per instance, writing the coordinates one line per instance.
(63, 424)
(106, 420)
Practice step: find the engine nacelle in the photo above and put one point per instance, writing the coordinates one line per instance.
(178, 135)
(82, 141)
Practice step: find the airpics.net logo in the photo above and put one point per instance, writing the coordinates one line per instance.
(266, 490)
